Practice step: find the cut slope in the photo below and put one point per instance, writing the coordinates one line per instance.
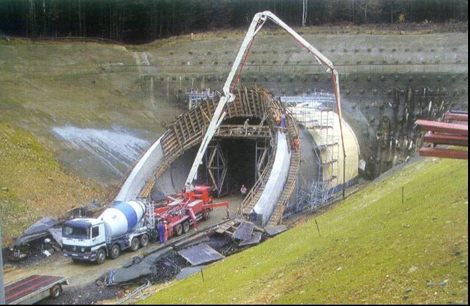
(81, 85)
(33, 183)
(373, 249)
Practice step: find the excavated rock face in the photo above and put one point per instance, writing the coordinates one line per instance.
(387, 81)
(382, 113)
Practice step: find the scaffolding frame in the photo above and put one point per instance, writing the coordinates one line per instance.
(216, 168)
(195, 97)
(319, 116)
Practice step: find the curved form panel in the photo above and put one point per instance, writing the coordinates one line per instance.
(141, 173)
(265, 206)
(172, 180)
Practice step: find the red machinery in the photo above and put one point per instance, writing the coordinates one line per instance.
(446, 133)
(186, 209)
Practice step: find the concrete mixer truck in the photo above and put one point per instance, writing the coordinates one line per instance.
(123, 226)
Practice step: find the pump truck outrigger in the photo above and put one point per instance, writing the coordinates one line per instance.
(130, 225)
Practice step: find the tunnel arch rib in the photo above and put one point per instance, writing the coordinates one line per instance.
(187, 132)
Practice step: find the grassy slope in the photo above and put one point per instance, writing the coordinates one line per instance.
(373, 249)
(50, 84)
(45, 85)
(37, 184)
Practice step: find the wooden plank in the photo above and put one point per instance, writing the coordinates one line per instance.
(188, 127)
(198, 120)
(192, 124)
(202, 116)
(247, 101)
(176, 136)
(255, 103)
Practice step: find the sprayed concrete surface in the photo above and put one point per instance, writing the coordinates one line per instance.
(276, 182)
(107, 151)
(141, 173)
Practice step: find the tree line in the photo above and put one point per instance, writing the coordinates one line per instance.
(140, 21)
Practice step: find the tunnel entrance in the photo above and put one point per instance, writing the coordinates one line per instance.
(240, 156)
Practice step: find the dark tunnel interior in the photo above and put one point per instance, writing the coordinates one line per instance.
(240, 155)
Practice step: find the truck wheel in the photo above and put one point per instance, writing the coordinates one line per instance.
(186, 226)
(56, 291)
(115, 251)
(206, 214)
(100, 257)
(179, 230)
(144, 240)
(135, 244)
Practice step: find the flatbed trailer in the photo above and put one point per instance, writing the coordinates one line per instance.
(33, 289)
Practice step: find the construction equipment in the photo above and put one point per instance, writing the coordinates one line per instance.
(33, 289)
(131, 225)
(120, 227)
(446, 133)
(258, 21)
(186, 209)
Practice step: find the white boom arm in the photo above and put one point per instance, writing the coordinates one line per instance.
(218, 117)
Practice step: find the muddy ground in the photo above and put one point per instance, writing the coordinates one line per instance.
(83, 288)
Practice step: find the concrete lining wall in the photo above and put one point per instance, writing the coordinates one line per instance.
(265, 206)
(144, 169)
(173, 179)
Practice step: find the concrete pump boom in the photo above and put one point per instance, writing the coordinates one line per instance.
(258, 21)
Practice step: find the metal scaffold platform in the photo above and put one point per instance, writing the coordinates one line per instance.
(317, 116)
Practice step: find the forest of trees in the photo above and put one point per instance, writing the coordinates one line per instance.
(141, 21)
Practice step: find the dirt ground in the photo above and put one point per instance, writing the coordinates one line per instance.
(84, 275)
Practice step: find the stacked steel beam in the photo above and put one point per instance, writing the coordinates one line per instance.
(451, 133)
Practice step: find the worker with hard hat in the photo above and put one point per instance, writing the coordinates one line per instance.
(166, 230)
(161, 232)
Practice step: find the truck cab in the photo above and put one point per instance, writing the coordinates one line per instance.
(120, 227)
(82, 238)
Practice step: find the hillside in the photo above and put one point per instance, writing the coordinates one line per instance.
(85, 100)
(372, 249)
(47, 86)
(33, 183)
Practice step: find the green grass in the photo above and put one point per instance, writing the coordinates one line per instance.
(372, 249)
(54, 84)
(81, 84)
(37, 185)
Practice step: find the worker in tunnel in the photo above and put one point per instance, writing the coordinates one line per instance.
(245, 126)
(243, 191)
